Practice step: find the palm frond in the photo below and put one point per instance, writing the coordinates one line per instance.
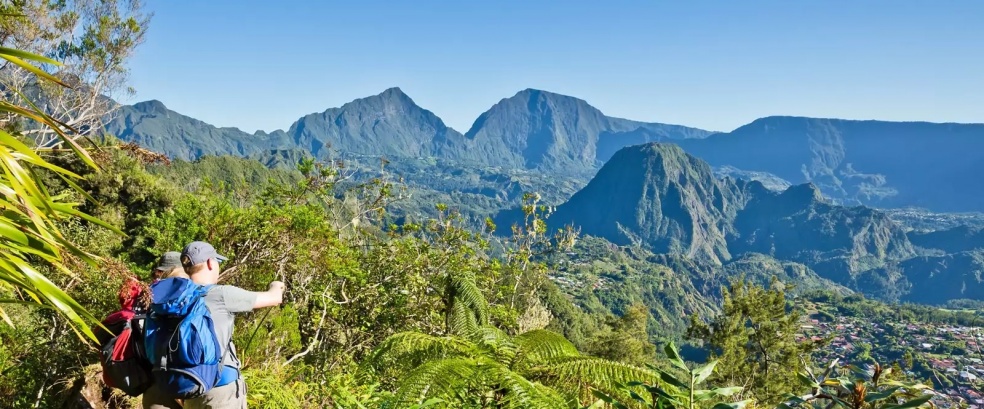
(497, 345)
(28, 223)
(463, 322)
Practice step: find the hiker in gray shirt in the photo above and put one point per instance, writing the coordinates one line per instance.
(201, 262)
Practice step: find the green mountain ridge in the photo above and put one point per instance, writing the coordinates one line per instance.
(601, 277)
(661, 198)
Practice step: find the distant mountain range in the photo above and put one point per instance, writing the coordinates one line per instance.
(531, 130)
(876, 163)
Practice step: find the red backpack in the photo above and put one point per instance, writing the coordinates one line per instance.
(125, 367)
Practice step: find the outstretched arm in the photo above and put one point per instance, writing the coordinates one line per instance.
(271, 297)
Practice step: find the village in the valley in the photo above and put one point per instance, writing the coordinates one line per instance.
(945, 355)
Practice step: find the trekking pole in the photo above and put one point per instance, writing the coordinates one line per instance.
(257, 329)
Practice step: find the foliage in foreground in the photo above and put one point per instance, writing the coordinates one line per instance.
(31, 242)
(851, 387)
(670, 392)
(488, 368)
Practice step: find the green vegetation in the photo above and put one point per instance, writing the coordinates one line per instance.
(856, 305)
(671, 392)
(32, 216)
(754, 339)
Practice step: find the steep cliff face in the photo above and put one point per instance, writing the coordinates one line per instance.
(875, 163)
(938, 279)
(958, 239)
(799, 224)
(660, 197)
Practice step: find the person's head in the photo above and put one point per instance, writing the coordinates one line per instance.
(169, 266)
(201, 262)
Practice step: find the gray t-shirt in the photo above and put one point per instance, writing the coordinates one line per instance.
(223, 302)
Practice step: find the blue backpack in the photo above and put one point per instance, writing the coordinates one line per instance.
(180, 339)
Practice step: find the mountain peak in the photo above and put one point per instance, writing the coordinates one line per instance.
(539, 94)
(393, 95)
(658, 196)
(151, 107)
(394, 92)
(661, 150)
(389, 123)
(804, 193)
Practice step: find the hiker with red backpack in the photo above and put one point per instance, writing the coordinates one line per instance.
(188, 332)
(124, 362)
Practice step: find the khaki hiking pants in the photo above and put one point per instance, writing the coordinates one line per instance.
(231, 396)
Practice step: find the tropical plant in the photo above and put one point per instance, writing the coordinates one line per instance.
(670, 392)
(852, 387)
(534, 369)
(30, 239)
(485, 367)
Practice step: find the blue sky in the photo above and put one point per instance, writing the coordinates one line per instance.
(709, 64)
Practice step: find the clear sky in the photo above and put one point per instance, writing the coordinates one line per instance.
(709, 64)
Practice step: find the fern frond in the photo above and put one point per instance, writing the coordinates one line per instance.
(497, 345)
(519, 392)
(466, 290)
(580, 375)
(444, 378)
(540, 347)
(463, 322)
(410, 349)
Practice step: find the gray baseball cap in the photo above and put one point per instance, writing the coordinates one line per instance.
(169, 261)
(199, 252)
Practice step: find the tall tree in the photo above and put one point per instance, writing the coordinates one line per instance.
(627, 339)
(754, 341)
(91, 40)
